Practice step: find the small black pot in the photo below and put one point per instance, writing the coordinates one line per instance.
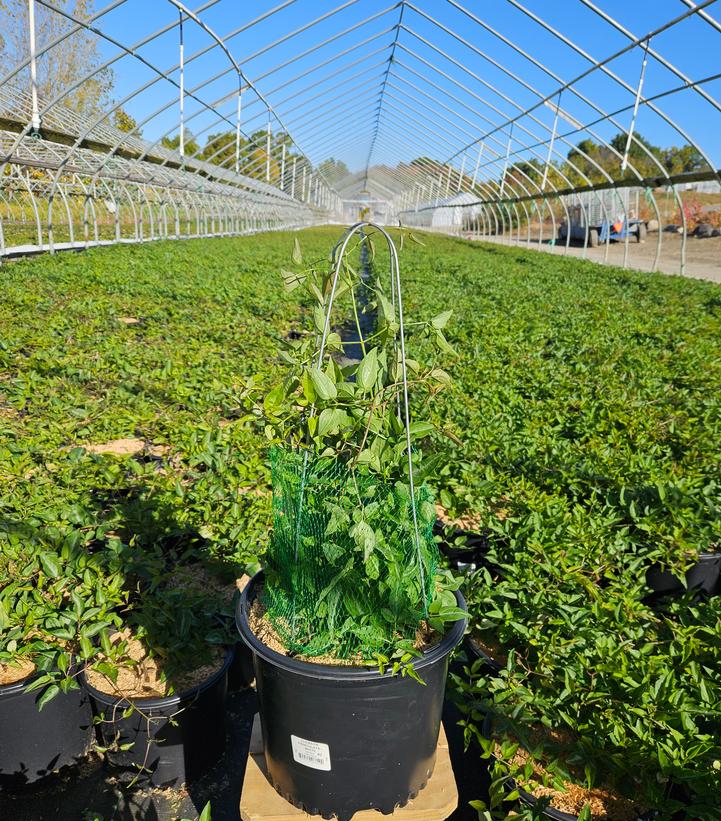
(465, 550)
(531, 801)
(35, 743)
(703, 576)
(474, 652)
(341, 739)
(175, 739)
(240, 672)
(557, 815)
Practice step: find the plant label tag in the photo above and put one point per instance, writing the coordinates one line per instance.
(313, 754)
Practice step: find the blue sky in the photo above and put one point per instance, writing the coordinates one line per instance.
(333, 111)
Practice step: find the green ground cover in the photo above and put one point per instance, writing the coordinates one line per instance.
(587, 406)
(584, 413)
(77, 369)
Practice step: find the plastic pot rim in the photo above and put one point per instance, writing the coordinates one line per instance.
(308, 669)
(702, 558)
(476, 651)
(159, 702)
(19, 686)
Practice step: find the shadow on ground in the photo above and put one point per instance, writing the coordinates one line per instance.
(91, 793)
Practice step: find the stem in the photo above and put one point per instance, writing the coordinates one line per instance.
(357, 320)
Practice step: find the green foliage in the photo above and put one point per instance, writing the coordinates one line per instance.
(55, 600)
(580, 427)
(82, 533)
(585, 405)
(190, 144)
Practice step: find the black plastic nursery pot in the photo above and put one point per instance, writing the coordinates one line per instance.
(174, 739)
(531, 801)
(35, 743)
(240, 669)
(557, 815)
(703, 576)
(341, 739)
(241, 672)
(466, 557)
(490, 665)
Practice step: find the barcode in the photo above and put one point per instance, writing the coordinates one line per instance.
(316, 759)
(315, 754)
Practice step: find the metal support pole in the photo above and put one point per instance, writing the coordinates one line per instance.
(181, 145)
(505, 163)
(292, 182)
(267, 152)
(282, 169)
(478, 163)
(550, 145)
(302, 185)
(237, 124)
(639, 88)
(33, 67)
(460, 176)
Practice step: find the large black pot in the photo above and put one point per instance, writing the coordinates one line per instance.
(175, 739)
(35, 743)
(703, 576)
(342, 739)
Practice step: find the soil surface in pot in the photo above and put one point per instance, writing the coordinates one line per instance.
(17, 671)
(468, 521)
(471, 521)
(570, 797)
(143, 676)
(262, 627)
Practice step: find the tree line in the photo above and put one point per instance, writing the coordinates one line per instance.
(586, 163)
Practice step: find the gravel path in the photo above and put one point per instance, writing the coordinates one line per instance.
(703, 256)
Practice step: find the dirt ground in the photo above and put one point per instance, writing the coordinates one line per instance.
(703, 256)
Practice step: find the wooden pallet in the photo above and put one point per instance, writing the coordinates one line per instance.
(260, 802)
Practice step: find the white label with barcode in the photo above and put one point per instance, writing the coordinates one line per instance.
(313, 754)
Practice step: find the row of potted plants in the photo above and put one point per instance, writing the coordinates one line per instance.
(128, 656)
(567, 698)
(584, 463)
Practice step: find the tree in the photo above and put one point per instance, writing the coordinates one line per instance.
(220, 149)
(190, 145)
(643, 155)
(683, 160)
(75, 58)
(333, 170)
(124, 122)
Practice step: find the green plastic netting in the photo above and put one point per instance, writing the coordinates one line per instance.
(345, 573)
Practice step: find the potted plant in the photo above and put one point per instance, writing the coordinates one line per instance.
(159, 684)
(348, 621)
(701, 575)
(200, 574)
(604, 705)
(54, 598)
